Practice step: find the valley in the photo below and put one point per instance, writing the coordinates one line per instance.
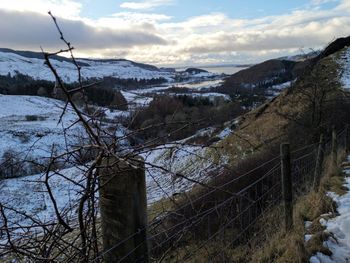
(195, 131)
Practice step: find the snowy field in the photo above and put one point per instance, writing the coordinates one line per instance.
(139, 97)
(136, 100)
(29, 125)
(200, 85)
(11, 63)
(26, 194)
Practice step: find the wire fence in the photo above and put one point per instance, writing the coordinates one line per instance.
(208, 224)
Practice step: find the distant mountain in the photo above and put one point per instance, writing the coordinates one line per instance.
(33, 64)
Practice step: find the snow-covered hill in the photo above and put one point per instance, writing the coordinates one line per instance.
(29, 126)
(12, 63)
(26, 194)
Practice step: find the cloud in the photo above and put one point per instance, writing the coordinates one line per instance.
(130, 20)
(141, 17)
(321, 2)
(62, 8)
(146, 4)
(155, 38)
(254, 39)
(27, 30)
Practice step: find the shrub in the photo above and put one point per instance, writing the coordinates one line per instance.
(31, 117)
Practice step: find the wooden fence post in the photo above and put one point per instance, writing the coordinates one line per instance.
(319, 163)
(334, 148)
(123, 205)
(287, 186)
(347, 129)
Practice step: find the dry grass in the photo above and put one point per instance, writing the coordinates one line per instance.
(290, 247)
(284, 117)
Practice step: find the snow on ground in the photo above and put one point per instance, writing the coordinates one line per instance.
(201, 85)
(136, 97)
(211, 95)
(136, 100)
(150, 90)
(197, 85)
(112, 114)
(282, 86)
(11, 63)
(181, 157)
(27, 195)
(29, 125)
(344, 62)
(188, 160)
(275, 90)
(224, 133)
(339, 228)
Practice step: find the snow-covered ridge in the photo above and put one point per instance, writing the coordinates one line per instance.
(11, 63)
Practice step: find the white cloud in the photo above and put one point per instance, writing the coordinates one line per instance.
(321, 2)
(146, 4)
(130, 20)
(216, 35)
(61, 8)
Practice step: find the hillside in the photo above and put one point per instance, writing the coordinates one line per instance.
(30, 130)
(301, 109)
(265, 74)
(33, 64)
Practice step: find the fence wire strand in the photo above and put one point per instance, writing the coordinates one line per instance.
(230, 219)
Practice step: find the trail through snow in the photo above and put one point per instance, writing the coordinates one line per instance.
(339, 228)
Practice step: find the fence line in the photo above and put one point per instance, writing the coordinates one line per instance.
(227, 219)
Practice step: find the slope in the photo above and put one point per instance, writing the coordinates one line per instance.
(313, 103)
(33, 65)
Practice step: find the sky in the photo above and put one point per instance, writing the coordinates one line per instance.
(176, 32)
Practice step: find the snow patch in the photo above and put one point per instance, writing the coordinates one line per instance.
(339, 227)
(344, 63)
(136, 100)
